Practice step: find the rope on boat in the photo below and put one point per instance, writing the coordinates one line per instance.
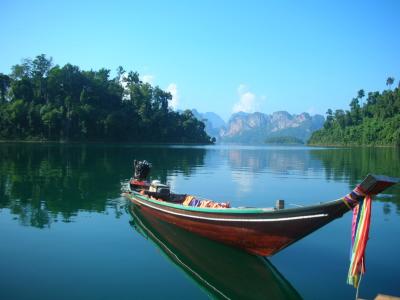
(347, 204)
(359, 238)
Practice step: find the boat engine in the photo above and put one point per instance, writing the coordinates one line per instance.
(141, 169)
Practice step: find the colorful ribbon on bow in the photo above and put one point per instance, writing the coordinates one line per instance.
(359, 238)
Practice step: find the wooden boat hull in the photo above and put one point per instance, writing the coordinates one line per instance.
(257, 231)
(261, 234)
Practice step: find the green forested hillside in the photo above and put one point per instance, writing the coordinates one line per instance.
(374, 120)
(39, 101)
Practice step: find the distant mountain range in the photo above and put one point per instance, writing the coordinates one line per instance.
(256, 128)
(214, 123)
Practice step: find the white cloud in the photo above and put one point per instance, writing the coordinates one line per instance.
(173, 90)
(248, 101)
(312, 110)
(148, 79)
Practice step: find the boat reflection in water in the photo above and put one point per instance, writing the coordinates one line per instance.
(222, 271)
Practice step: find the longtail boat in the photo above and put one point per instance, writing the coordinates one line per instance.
(259, 231)
(222, 272)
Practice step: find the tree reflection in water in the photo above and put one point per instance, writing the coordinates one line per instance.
(352, 164)
(45, 183)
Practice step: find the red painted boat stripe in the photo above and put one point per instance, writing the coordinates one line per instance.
(233, 219)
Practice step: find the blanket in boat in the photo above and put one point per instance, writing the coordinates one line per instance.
(195, 202)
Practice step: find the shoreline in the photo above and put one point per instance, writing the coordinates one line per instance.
(97, 142)
(190, 144)
(352, 146)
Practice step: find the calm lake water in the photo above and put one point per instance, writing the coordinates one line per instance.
(66, 233)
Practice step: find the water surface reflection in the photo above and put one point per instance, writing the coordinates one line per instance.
(45, 183)
(42, 184)
(74, 192)
(221, 271)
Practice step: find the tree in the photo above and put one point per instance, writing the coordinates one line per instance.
(5, 82)
(377, 124)
(389, 81)
(42, 101)
(40, 68)
(355, 110)
(361, 95)
(52, 118)
(340, 117)
(133, 77)
(120, 73)
(23, 89)
(329, 118)
(22, 70)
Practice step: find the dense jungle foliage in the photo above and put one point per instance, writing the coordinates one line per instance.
(42, 101)
(374, 122)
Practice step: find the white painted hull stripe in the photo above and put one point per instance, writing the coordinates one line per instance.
(231, 220)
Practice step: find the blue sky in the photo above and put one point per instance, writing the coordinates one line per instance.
(219, 56)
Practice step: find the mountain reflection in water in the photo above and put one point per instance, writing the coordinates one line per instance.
(221, 271)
